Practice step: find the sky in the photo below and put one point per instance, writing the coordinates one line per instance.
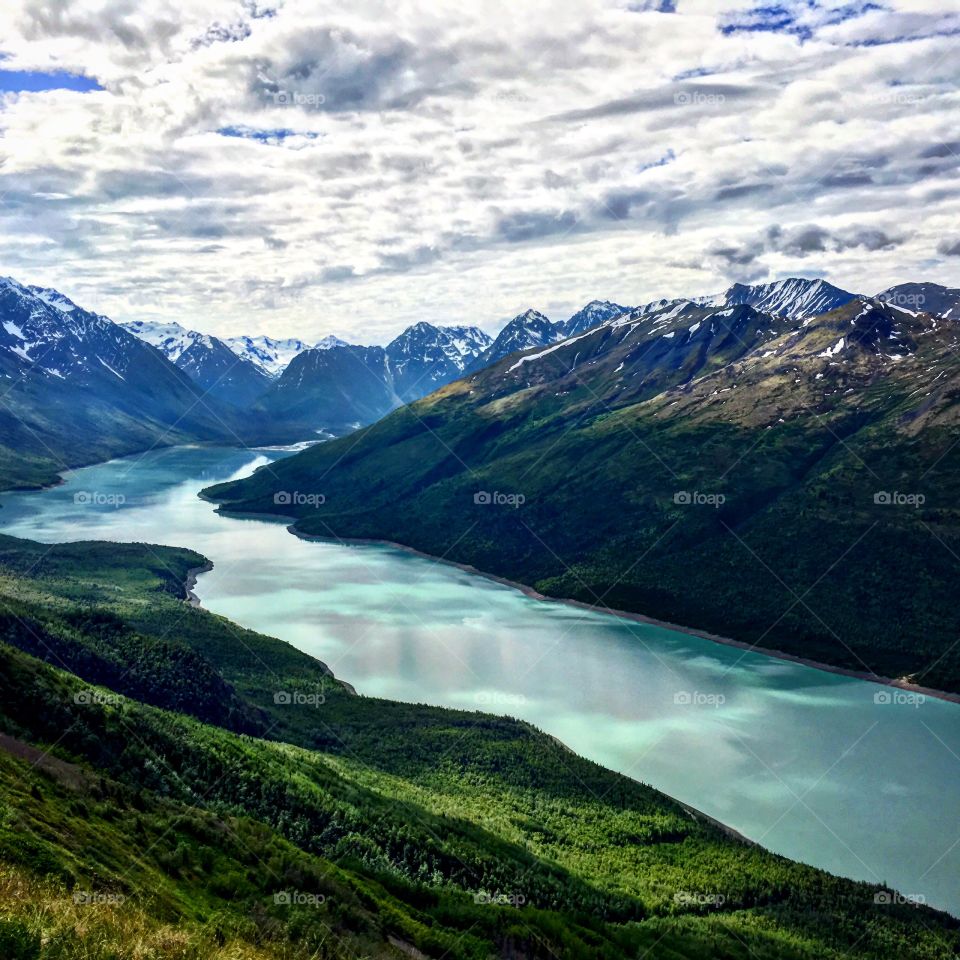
(301, 168)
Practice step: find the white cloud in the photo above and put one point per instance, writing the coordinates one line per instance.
(316, 170)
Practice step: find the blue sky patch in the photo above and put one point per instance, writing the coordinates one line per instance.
(35, 81)
(801, 18)
(264, 136)
(668, 157)
(660, 6)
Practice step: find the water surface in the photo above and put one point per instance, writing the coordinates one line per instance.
(809, 764)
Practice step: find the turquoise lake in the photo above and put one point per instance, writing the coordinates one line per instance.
(847, 775)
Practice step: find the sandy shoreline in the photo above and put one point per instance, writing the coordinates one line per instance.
(638, 617)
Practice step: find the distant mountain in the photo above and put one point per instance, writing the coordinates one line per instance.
(795, 298)
(929, 297)
(529, 329)
(269, 354)
(592, 315)
(336, 387)
(425, 357)
(80, 388)
(207, 360)
(636, 354)
(782, 479)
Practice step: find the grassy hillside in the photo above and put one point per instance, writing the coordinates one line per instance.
(793, 494)
(347, 826)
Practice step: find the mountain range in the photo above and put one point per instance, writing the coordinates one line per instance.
(70, 398)
(216, 368)
(344, 386)
(78, 388)
(782, 478)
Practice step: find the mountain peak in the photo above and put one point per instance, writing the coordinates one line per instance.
(798, 298)
(330, 341)
(922, 297)
(592, 315)
(531, 315)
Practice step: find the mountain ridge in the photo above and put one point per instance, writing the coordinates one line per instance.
(799, 432)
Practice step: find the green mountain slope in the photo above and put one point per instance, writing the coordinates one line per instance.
(789, 486)
(349, 826)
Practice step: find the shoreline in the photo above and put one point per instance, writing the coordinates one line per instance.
(190, 597)
(529, 591)
(191, 581)
(69, 468)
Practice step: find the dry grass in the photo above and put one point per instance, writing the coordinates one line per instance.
(114, 929)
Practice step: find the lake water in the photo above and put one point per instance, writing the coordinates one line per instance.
(847, 775)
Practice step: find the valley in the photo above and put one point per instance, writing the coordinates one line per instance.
(657, 705)
(756, 465)
(479, 482)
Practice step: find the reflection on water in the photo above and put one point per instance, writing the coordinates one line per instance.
(807, 763)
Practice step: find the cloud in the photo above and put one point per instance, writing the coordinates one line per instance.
(949, 248)
(795, 243)
(294, 168)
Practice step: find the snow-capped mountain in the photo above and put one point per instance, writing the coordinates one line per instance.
(270, 354)
(924, 297)
(329, 341)
(793, 299)
(796, 298)
(592, 315)
(425, 357)
(80, 388)
(337, 387)
(529, 329)
(170, 339)
(639, 353)
(207, 360)
(43, 333)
